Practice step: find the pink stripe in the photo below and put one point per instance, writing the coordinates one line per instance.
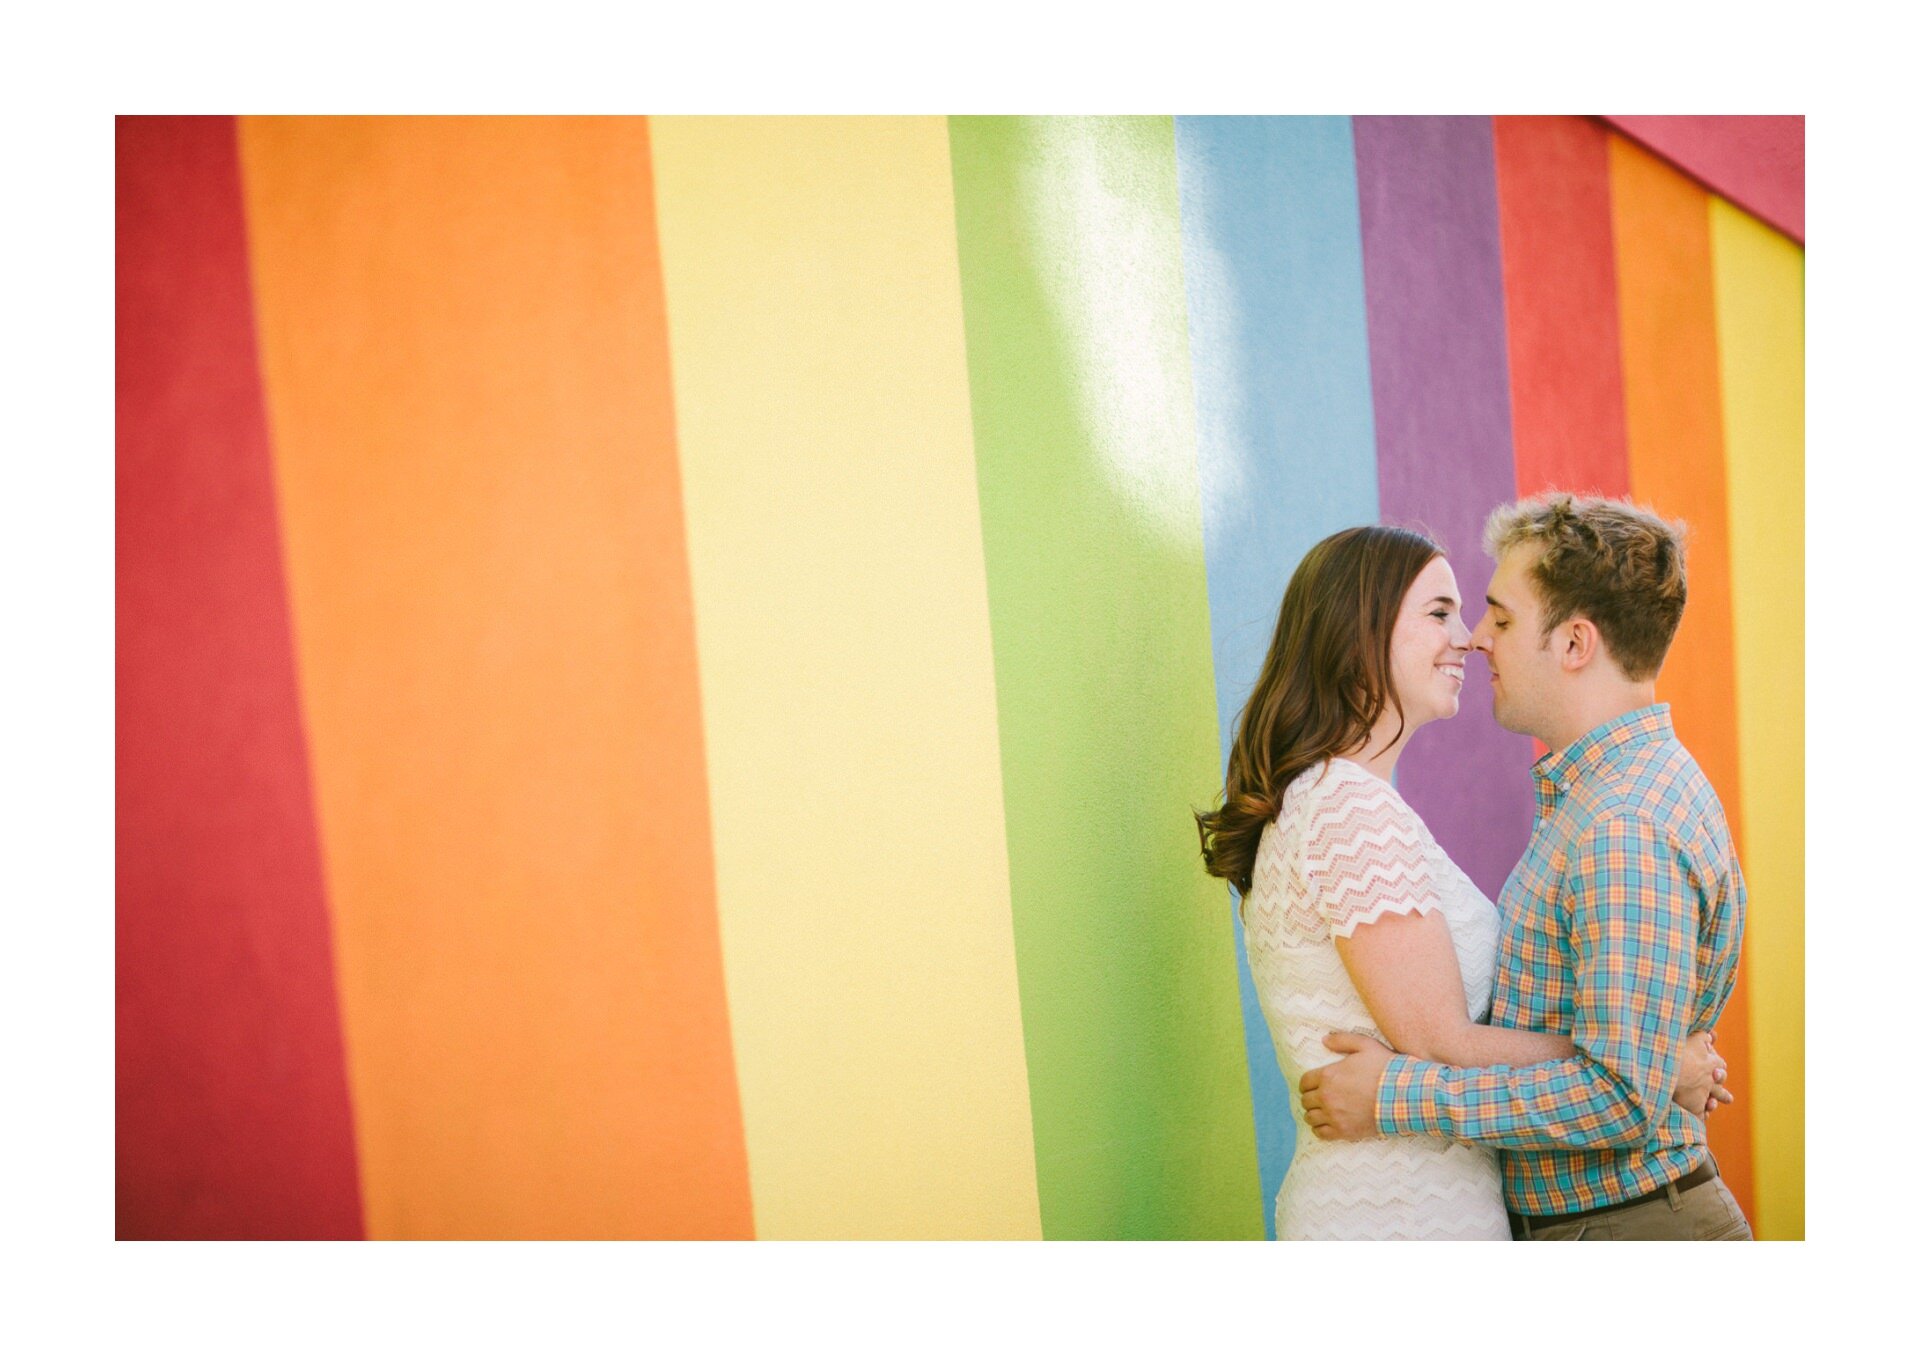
(1758, 162)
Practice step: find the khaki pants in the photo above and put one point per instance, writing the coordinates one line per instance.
(1707, 1212)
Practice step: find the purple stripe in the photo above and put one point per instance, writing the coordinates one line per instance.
(1430, 236)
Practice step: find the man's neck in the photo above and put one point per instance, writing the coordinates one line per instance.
(1599, 707)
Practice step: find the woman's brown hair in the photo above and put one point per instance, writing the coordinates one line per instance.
(1327, 677)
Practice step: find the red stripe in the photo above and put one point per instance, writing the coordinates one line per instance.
(1563, 328)
(232, 1117)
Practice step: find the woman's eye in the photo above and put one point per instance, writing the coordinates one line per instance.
(1442, 614)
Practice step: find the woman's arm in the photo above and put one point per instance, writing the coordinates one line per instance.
(1405, 968)
(1408, 975)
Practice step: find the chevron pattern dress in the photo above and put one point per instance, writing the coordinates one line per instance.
(1344, 850)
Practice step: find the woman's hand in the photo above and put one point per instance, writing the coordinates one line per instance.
(1703, 1076)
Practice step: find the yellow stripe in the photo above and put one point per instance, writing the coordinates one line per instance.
(1759, 278)
(819, 363)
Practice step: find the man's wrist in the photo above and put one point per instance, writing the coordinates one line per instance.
(1404, 1103)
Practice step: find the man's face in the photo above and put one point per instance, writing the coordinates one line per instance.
(1524, 672)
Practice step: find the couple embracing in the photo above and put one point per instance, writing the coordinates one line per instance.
(1542, 1069)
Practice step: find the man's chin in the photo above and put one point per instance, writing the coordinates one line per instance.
(1504, 719)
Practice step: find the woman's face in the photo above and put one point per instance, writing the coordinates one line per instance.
(1430, 647)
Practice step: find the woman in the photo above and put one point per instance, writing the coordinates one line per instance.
(1356, 920)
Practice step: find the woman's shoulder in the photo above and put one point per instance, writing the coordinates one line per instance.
(1307, 785)
(1336, 780)
(1337, 791)
(1328, 787)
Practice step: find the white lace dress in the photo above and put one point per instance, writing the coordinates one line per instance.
(1344, 850)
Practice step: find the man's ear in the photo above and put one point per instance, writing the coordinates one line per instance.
(1578, 642)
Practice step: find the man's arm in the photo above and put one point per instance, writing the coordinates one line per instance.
(1633, 933)
(1716, 986)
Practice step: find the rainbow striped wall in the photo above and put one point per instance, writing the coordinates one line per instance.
(663, 664)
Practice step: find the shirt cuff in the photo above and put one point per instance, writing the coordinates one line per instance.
(1407, 1101)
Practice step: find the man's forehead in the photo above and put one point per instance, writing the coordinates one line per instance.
(1513, 576)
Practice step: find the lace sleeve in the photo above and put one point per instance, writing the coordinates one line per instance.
(1366, 854)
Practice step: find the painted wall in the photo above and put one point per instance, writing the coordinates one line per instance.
(664, 663)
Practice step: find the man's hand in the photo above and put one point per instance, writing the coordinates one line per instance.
(1338, 1098)
(1701, 1085)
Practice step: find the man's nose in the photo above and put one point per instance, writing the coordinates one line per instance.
(1482, 637)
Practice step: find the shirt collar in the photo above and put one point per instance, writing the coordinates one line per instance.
(1560, 771)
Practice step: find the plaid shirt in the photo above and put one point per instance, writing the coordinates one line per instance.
(1621, 928)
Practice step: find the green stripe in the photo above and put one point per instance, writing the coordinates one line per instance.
(1083, 426)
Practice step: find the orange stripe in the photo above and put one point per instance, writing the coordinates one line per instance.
(463, 334)
(1677, 462)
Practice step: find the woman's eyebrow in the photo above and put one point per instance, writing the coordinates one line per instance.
(1448, 599)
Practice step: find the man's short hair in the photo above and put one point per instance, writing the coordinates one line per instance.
(1612, 562)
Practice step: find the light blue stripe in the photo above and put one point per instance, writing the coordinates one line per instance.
(1277, 322)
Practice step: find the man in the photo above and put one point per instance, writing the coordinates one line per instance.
(1620, 926)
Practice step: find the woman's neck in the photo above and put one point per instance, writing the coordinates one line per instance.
(1380, 752)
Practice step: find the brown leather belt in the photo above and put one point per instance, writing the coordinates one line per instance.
(1700, 1176)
